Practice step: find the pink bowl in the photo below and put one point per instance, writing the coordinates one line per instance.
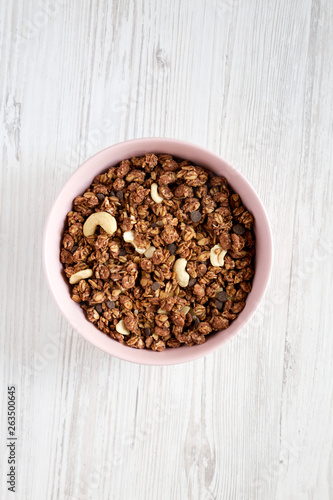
(83, 177)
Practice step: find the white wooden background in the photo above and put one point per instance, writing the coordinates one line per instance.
(253, 81)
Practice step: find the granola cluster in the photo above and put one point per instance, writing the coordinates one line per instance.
(167, 257)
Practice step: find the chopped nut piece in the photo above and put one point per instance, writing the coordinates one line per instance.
(185, 309)
(217, 256)
(121, 328)
(129, 236)
(80, 275)
(149, 252)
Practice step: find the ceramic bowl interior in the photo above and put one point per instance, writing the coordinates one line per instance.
(77, 184)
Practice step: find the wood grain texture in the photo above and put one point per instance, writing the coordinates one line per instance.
(253, 81)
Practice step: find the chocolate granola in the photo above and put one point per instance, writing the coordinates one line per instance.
(159, 252)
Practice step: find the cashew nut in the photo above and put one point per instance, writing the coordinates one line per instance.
(217, 256)
(129, 237)
(154, 193)
(181, 274)
(80, 275)
(149, 252)
(121, 328)
(103, 219)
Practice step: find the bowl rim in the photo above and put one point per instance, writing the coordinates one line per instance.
(182, 354)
